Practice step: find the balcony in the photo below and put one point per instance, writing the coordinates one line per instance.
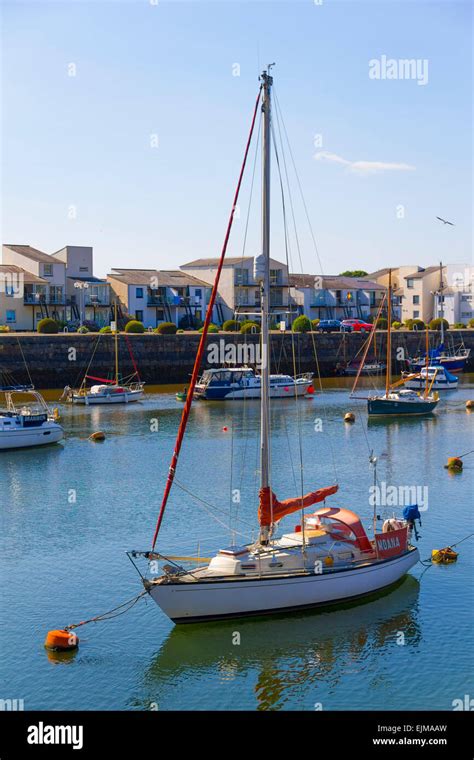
(34, 299)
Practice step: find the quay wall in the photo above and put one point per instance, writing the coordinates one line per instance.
(58, 360)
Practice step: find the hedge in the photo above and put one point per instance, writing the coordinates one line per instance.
(301, 324)
(249, 327)
(231, 325)
(166, 328)
(47, 325)
(435, 324)
(134, 326)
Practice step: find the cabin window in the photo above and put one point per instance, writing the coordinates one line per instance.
(83, 269)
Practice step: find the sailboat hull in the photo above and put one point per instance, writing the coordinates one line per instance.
(91, 399)
(382, 406)
(219, 599)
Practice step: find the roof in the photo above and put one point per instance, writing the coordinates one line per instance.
(91, 278)
(229, 261)
(33, 254)
(334, 282)
(28, 277)
(161, 278)
(422, 273)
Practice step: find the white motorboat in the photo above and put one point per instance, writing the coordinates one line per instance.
(231, 383)
(437, 377)
(26, 420)
(327, 559)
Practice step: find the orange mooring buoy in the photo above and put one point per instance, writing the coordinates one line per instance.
(99, 436)
(470, 404)
(349, 417)
(61, 640)
(454, 463)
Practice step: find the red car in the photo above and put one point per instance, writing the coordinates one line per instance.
(356, 325)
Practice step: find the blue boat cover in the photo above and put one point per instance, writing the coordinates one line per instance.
(412, 513)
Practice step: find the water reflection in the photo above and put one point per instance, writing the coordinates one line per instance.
(292, 654)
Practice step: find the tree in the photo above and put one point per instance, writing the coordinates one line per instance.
(353, 273)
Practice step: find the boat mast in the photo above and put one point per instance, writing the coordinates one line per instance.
(262, 275)
(116, 345)
(389, 334)
(441, 304)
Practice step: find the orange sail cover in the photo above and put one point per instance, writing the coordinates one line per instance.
(270, 507)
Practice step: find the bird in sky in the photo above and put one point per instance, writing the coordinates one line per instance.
(445, 221)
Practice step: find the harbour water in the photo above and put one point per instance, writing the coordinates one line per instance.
(70, 512)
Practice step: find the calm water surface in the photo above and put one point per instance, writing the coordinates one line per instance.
(70, 512)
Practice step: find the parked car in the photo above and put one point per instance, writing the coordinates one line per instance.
(329, 325)
(356, 325)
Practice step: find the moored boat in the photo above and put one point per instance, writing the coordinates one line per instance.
(26, 420)
(328, 558)
(437, 377)
(232, 383)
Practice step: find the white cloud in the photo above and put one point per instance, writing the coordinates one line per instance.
(362, 167)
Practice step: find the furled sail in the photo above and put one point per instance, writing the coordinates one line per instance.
(271, 510)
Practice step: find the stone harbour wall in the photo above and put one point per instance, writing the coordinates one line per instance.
(58, 360)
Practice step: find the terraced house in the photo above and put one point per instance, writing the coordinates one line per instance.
(239, 293)
(153, 296)
(336, 296)
(43, 293)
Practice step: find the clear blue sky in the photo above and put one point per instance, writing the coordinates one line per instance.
(166, 69)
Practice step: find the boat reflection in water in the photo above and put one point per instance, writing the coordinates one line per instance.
(295, 659)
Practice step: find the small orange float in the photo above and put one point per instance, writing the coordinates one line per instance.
(61, 640)
(98, 436)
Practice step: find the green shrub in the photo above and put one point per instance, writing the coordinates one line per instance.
(166, 328)
(47, 325)
(211, 329)
(83, 330)
(180, 331)
(301, 324)
(471, 323)
(315, 323)
(134, 326)
(190, 323)
(382, 323)
(105, 329)
(396, 325)
(459, 326)
(4, 328)
(249, 327)
(231, 325)
(435, 324)
(415, 324)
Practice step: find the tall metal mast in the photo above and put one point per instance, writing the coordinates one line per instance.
(441, 300)
(262, 276)
(388, 375)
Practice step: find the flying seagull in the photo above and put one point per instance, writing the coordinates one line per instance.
(445, 221)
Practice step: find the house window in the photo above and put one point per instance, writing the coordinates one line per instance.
(416, 314)
(275, 276)
(138, 292)
(416, 299)
(410, 283)
(198, 292)
(241, 276)
(160, 315)
(48, 270)
(257, 298)
(11, 315)
(139, 315)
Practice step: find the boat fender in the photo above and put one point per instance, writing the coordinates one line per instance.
(391, 524)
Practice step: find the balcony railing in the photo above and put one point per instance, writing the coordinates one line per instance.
(177, 301)
(31, 299)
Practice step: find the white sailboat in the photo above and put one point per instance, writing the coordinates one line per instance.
(328, 558)
(107, 391)
(26, 420)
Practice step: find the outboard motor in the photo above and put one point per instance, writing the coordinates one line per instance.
(411, 514)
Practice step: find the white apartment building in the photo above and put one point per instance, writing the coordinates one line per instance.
(457, 294)
(335, 296)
